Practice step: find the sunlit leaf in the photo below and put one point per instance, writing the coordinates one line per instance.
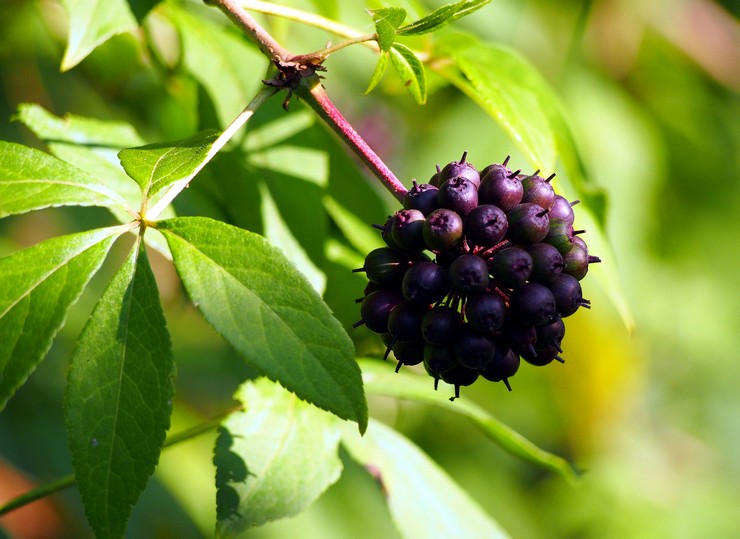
(441, 17)
(39, 284)
(378, 72)
(411, 71)
(273, 459)
(387, 20)
(267, 310)
(381, 380)
(423, 500)
(31, 179)
(119, 396)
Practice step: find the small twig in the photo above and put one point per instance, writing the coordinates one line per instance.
(267, 44)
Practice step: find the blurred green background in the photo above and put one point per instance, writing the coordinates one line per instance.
(649, 412)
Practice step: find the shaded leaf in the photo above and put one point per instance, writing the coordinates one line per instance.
(267, 310)
(378, 72)
(387, 20)
(157, 166)
(441, 17)
(31, 179)
(362, 236)
(411, 71)
(274, 459)
(381, 380)
(119, 396)
(423, 500)
(39, 285)
(91, 23)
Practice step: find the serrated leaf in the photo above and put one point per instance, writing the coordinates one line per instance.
(267, 310)
(411, 71)
(378, 72)
(441, 17)
(91, 23)
(423, 500)
(31, 179)
(157, 166)
(510, 90)
(381, 380)
(119, 396)
(38, 285)
(274, 459)
(86, 143)
(387, 20)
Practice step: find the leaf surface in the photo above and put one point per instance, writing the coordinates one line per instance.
(441, 17)
(274, 459)
(387, 20)
(423, 500)
(39, 285)
(381, 380)
(411, 71)
(268, 311)
(31, 180)
(119, 396)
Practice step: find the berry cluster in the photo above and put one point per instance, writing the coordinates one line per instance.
(479, 270)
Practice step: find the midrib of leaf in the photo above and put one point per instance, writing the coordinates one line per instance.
(228, 274)
(63, 263)
(280, 446)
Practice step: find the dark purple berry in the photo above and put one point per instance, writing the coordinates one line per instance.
(443, 230)
(425, 283)
(575, 262)
(538, 190)
(562, 209)
(543, 356)
(550, 335)
(435, 179)
(440, 325)
(520, 338)
(512, 266)
(460, 169)
(472, 349)
(459, 376)
(485, 312)
(404, 322)
(528, 223)
(376, 308)
(532, 304)
(547, 262)
(437, 360)
(407, 230)
(469, 274)
(385, 266)
(486, 225)
(568, 295)
(459, 195)
(422, 197)
(560, 235)
(408, 353)
(504, 365)
(500, 187)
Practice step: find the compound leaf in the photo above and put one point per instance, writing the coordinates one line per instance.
(39, 285)
(119, 396)
(31, 179)
(441, 17)
(387, 20)
(157, 166)
(268, 311)
(378, 72)
(274, 459)
(411, 71)
(423, 500)
(380, 380)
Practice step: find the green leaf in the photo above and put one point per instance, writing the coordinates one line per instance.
(39, 284)
(119, 396)
(362, 236)
(387, 20)
(381, 380)
(274, 459)
(509, 89)
(411, 71)
(92, 22)
(157, 166)
(267, 310)
(87, 143)
(31, 179)
(423, 500)
(441, 17)
(378, 72)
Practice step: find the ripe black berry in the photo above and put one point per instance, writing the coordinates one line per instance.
(547, 262)
(404, 322)
(407, 229)
(500, 187)
(376, 308)
(385, 266)
(533, 304)
(442, 230)
(425, 283)
(459, 376)
(469, 274)
(486, 225)
(528, 223)
(459, 195)
(422, 197)
(568, 295)
(504, 365)
(485, 312)
(440, 325)
(408, 353)
(538, 190)
(512, 266)
(460, 169)
(472, 349)
(437, 360)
